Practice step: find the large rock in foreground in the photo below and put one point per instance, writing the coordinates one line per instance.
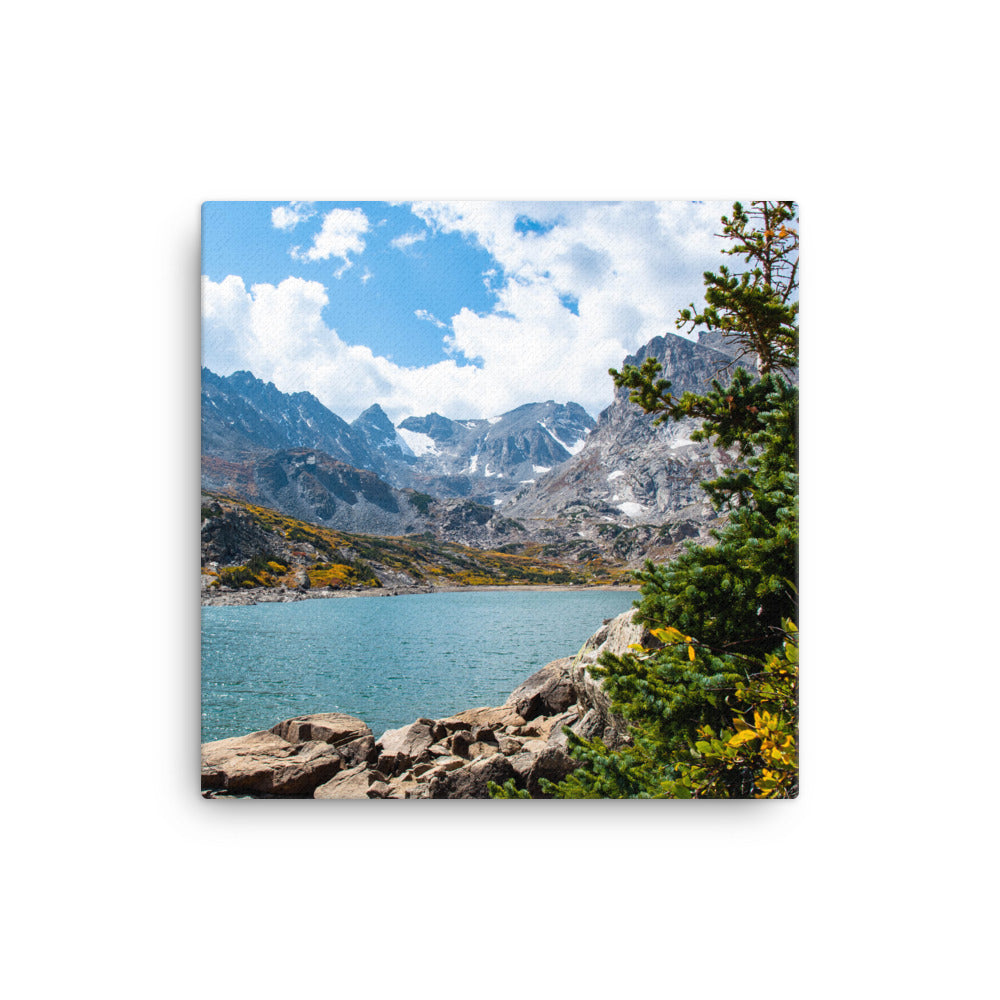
(334, 756)
(548, 692)
(292, 759)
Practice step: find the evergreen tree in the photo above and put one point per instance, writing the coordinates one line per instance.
(722, 613)
(756, 308)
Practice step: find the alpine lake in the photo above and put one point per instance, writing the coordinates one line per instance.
(387, 660)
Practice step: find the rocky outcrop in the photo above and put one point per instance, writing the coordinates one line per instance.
(291, 760)
(548, 692)
(334, 756)
(230, 536)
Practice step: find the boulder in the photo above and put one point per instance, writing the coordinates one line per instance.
(264, 763)
(547, 692)
(355, 783)
(541, 760)
(413, 740)
(349, 735)
(548, 727)
(555, 735)
(509, 745)
(393, 764)
(493, 718)
(360, 751)
(405, 787)
(615, 637)
(330, 727)
(552, 764)
(460, 742)
(472, 781)
(522, 763)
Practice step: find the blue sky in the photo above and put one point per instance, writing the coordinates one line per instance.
(466, 308)
(375, 301)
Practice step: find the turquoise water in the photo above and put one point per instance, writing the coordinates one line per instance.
(388, 660)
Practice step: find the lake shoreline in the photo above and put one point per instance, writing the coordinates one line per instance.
(335, 755)
(284, 595)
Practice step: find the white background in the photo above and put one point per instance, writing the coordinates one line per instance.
(119, 120)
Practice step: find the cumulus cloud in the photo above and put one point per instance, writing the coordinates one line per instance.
(290, 215)
(577, 287)
(278, 333)
(338, 237)
(580, 285)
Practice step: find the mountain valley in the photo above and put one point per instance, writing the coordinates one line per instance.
(544, 479)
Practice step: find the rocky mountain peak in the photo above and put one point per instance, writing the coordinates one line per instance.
(374, 416)
(635, 486)
(435, 426)
(689, 365)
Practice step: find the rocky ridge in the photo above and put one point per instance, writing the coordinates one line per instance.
(335, 756)
(496, 455)
(251, 552)
(314, 487)
(244, 420)
(241, 415)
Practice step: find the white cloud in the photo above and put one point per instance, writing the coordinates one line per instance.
(278, 333)
(430, 317)
(625, 268)
(339, 236)
(407, 240)
(289, 216)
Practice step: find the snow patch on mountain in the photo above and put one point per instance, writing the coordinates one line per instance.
(573, 448)
(562, 444)
(419, 444)
(631, 509)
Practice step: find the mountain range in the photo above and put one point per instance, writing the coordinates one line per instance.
(244, 418)
(619, 488)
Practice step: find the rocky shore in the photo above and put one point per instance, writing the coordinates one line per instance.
(272, 595)
(335, 756)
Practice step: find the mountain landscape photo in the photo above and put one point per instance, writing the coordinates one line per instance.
(506, 412)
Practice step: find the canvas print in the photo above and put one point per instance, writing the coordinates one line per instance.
(499, 499)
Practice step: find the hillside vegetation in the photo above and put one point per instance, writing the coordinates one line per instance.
(247, 546)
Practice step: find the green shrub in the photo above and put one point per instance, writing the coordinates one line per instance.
(421, 501)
